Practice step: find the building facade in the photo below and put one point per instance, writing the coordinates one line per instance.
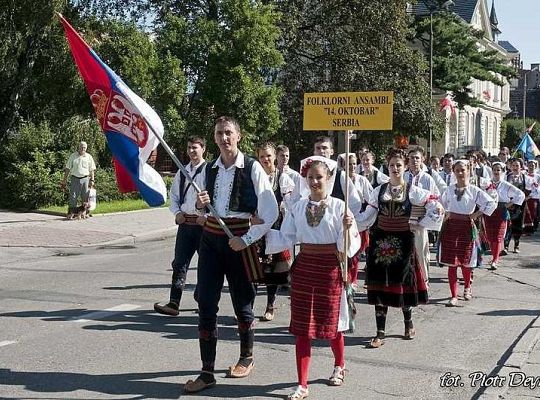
(476, 127)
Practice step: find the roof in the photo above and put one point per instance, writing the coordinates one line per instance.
(508, 46)
(463, 8)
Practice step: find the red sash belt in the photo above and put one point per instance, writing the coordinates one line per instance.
(310, 248)
(191, 219)
(250, 258)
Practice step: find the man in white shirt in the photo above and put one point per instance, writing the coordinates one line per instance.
(80, 168)
(415, 176)
(282, 157)
(446, 172)
(183, 197)
(237, 187)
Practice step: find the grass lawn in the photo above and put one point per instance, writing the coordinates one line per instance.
(107, 207)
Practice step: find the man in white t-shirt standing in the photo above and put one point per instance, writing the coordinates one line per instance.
(80, 168)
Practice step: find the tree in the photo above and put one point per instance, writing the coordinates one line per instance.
(457, 57)
(512, 131)
(224, 47)
(38, 80)
(354, 45)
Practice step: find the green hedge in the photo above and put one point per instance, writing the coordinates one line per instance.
(32, 164)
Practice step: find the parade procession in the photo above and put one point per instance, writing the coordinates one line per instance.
(317, 200)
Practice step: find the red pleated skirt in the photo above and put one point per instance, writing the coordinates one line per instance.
(495, 225)
(456, 240)
(316, 286)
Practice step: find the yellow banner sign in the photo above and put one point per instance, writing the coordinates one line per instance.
(342, 111)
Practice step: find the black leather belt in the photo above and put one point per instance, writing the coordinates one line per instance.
(80, 177)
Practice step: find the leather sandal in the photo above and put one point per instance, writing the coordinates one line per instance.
(239, 370)
(375, 343)
(268, 314)
(194, 386)
(337, 377)
(409, 334)
(299, 394)
(167, 309)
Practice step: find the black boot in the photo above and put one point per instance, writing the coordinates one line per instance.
(207, 345)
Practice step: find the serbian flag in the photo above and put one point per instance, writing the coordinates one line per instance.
(126, 121)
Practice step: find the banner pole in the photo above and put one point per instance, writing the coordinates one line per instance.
(346, 166)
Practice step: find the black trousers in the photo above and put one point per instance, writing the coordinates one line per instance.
(188, 238)
(217, 261)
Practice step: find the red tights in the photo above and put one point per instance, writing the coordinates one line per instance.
(452, 279)
(496, 248)
(303, 355)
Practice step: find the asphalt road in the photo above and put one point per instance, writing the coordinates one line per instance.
(78, 324)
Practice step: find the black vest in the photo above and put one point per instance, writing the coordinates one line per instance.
(183, 190)
(243, 197)
(375, 182)
(277, 189)
(337, 190)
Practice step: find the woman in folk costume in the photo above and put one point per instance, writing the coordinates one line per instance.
(394, 277)
(495, 225)
(519, 179)
(276, 266)
(364, 189)
(533, 184)
(318, 301)
(459, 230)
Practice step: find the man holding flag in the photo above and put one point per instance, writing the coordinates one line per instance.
(237, 188)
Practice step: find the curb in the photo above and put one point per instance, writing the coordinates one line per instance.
(151, 236)
(521, 350)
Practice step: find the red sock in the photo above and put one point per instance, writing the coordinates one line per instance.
(466, 271)
(338, 348)
(496, 248)
(303, 357)
(353, 268)
(452, 280)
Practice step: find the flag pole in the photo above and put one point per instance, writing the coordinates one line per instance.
(188, 178)
(346, 236)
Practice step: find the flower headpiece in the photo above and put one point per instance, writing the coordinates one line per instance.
(306, 167)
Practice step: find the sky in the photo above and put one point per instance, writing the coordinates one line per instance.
(519, 21)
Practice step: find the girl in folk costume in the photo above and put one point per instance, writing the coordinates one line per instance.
(517, 213)
(458, 233)
(318, 300)
(276, 266)
(533, 184)
(394, 276)
(495, 225)
(364, 189)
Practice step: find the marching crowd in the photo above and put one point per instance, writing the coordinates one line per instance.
(462, 207)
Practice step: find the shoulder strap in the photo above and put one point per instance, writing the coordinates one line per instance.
(197, 172)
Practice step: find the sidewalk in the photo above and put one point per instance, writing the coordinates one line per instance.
(41, 230)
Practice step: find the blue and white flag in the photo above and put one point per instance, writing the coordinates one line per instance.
(528, 147)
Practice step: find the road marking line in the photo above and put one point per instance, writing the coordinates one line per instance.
(105, 313)
(7, 342)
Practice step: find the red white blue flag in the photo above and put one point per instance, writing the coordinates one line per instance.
(124, 118)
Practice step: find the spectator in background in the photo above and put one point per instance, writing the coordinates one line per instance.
(504, 154)
(80, 168)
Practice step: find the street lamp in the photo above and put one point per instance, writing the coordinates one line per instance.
(433, 6)
(525, 96)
